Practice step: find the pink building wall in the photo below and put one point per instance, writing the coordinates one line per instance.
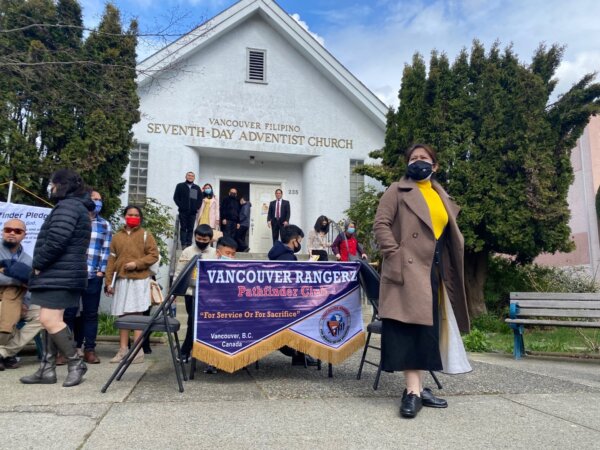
(585, 158)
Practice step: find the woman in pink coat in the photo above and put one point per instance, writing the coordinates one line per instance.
(209, 210)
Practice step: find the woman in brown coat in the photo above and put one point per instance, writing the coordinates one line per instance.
(132, 251)
(422, 299)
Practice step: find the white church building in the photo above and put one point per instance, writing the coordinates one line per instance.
(250, 99)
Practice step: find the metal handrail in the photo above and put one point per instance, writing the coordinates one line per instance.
(173, 252)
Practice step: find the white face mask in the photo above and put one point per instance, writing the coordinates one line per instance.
(49, 191)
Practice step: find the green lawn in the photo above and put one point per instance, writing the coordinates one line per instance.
(562, 340)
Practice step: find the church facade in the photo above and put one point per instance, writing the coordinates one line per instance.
(251, 100)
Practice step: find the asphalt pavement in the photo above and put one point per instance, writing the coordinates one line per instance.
(533, 403)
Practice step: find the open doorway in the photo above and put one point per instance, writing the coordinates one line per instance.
(243, 189)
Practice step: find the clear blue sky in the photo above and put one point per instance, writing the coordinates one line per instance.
(375, 38)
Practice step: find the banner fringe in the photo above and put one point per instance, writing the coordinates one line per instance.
(325, 353)
(261, 349)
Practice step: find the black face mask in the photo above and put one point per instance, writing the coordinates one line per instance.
(202, 245)
(233, 195)
(324, 227)
(419, 170)
(297, 247)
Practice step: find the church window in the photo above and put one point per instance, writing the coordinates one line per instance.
(138, 174)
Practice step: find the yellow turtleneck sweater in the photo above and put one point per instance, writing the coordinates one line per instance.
(439, 215)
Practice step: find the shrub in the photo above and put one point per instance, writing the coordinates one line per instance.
(506, 276)
(476, 341)
(362, 213)
(106, 325)
(490, 323)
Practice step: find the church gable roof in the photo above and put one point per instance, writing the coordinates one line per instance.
(298, 37)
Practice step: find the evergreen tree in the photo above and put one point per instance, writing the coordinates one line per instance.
(504, 152)
(66, 101)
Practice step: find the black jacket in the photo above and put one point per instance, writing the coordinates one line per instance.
(230, 209)
(281, 252)
(60, 252)
(183, 197)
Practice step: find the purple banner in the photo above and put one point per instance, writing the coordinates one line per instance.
(242, 303)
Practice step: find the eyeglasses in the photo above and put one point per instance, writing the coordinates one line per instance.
(17, 231)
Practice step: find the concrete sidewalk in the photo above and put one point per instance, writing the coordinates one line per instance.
(533, 403)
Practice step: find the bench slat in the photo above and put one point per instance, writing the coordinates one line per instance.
(559, 312)
(559, 304)
(555, 296)
(560, 323)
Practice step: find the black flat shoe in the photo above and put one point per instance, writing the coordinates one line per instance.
(211, 370)
(431, 401)
(11, 362)
(411, 405)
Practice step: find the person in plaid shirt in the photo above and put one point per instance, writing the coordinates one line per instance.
(97, 260)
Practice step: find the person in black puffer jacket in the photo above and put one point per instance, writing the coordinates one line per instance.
(60, 274)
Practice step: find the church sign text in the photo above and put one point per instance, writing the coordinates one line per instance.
(250, 131)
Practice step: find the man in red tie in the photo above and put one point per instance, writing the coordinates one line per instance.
(279, 214)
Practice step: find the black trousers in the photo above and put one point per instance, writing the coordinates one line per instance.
(240, 238)
(186, 347)
(186, 227)
(276, 227)
(229, 229)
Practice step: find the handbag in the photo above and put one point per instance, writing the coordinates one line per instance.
(156, 296)
(154, 268)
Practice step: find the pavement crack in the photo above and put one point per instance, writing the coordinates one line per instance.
(50, 411)
(546, 413)
(98, 422)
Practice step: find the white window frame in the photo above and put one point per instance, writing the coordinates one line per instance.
(355, 180)
(138, 174)
(264, 52)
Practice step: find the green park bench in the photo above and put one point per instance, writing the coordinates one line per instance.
(554, 309)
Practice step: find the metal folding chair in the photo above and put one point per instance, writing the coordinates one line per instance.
(369, 280)
(160, 320)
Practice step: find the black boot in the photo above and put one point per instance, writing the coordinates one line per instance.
(46, 374)
(77, 368)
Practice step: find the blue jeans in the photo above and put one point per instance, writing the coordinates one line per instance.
(87, 329)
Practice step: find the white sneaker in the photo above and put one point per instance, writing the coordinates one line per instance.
(119, 356)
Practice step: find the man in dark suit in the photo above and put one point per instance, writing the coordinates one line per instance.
(279, 214)
(188, 198)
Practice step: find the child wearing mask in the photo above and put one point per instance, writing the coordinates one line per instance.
(226, 248)
(203, 234)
